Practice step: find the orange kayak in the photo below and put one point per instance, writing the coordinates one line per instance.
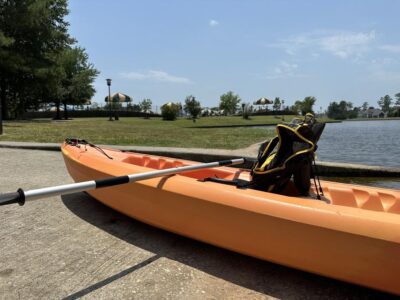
(353, 235)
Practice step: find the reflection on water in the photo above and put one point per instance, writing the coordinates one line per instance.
(362, 142)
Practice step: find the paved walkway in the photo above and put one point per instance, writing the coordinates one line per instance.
(250, 151)
(72, 246)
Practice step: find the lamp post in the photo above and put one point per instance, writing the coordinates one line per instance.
(1, 120)
(109, 97)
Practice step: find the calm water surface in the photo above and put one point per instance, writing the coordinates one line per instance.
(374, 143)
(363, 142)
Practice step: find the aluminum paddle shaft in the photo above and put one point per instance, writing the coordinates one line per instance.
(21, 196)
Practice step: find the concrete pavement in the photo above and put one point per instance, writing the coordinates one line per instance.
(73, 247)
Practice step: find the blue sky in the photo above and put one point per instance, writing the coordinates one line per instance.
(166, 50)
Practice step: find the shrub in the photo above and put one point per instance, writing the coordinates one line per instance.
(170, 111)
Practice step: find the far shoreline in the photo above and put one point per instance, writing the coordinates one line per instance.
(374, 119)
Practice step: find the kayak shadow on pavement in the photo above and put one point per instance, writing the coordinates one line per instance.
(251, 273)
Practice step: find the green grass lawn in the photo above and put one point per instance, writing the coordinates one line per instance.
(142, 132)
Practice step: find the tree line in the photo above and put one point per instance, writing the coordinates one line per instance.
(346, 110)
(39, 61)
(229, 104)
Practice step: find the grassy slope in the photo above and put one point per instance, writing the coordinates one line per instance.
(138, 131)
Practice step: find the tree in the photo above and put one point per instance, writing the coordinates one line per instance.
(77, 79)
(133, 107)
(192, 107)
(31, 34)
(342, 110)
(296, 107)
(229, 102)
(365, 106)
(145, 106)
(170, 111)
(397, 99)
(94, 106)
(335, 112)
(396, 112)
(385, 103)
(305, 106)
(277, 104)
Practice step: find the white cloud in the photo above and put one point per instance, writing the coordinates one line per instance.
(284, 70)
(213, 23)
(384, 70)
(155, 75)
(343, 44)
(391, 48)
(382, 61)
(386, 76)
(347, 44)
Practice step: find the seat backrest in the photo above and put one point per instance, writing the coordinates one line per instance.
(291, 149)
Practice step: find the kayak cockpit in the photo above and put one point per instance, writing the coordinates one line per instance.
(363, 197)
(161, 163)
(151, 162)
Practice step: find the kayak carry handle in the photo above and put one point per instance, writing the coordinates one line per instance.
(15, 197)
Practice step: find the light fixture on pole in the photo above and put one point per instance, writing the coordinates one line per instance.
(109, 98)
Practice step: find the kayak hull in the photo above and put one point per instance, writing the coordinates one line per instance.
(346, 243)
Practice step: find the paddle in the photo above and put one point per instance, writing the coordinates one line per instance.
(21, 196)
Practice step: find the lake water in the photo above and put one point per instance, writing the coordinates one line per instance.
(375, 143)
(363, 142)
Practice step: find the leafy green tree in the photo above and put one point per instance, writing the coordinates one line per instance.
(397, 99)
(229, 102)
(307, 105)
(385, 102)
(192, 107)
(133, 107)
(334, 111)
(304, 106)
(32, 32)
(170, 111)
(352, 114)
(365, 106)
(396, 111)
(145, 106)
(95, 106)
(296, 107)
(78, 76)
(277, 104)
(342, 110)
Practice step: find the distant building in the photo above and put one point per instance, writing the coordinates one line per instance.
(207, 112)
(372, 113)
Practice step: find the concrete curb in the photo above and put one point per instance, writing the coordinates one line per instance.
(329, 169)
